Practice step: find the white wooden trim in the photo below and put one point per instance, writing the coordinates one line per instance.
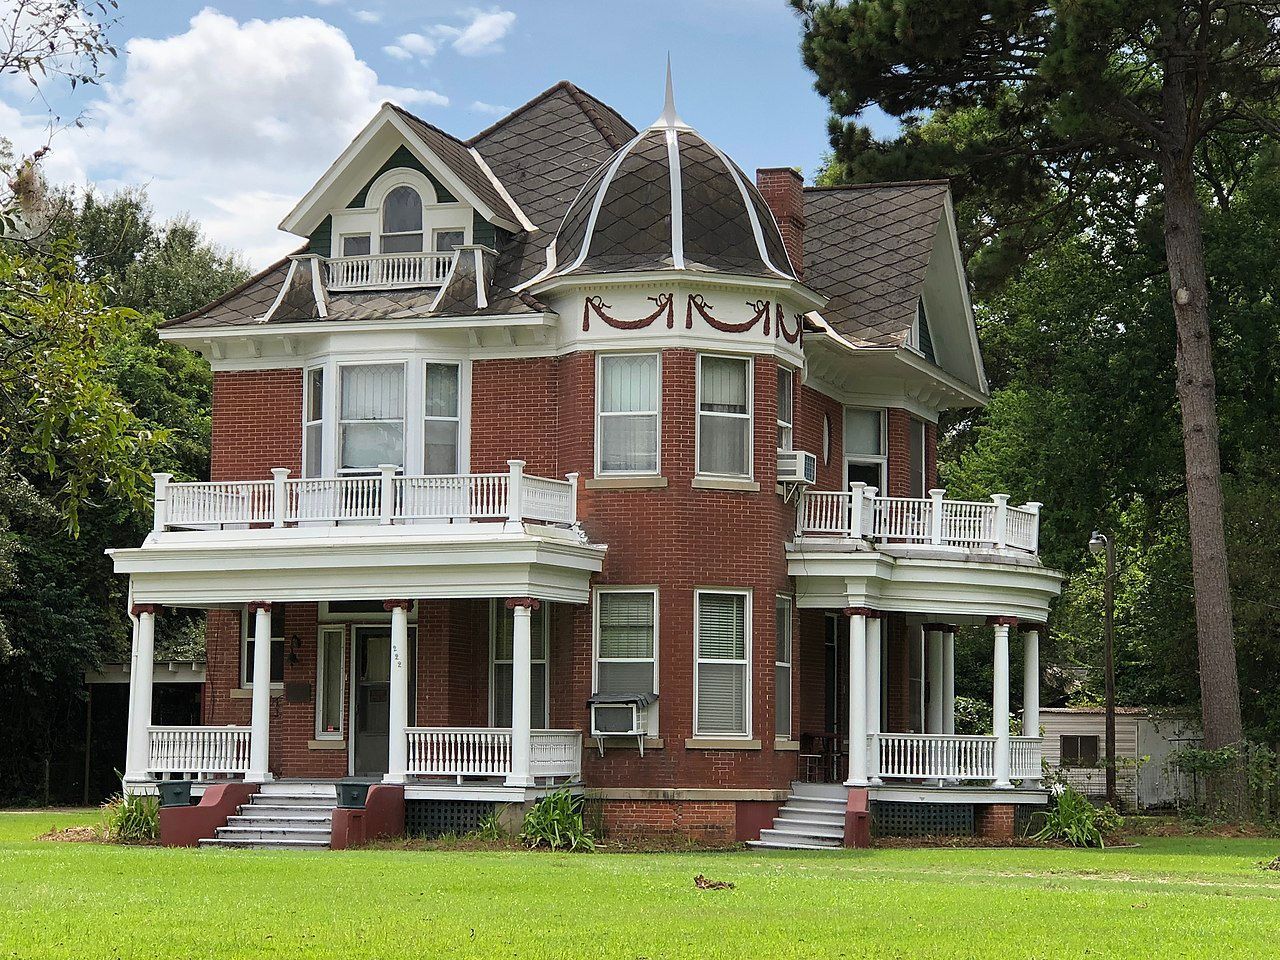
(750, 418)
(325, 634)
(496, 611)
(747, 596)
(654, 710)
(657, 413)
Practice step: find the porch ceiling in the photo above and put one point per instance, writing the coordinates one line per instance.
(369, 563)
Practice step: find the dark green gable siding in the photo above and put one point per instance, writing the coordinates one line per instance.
(926, 336)
(403, 157)
(483, 232)
(321, 238)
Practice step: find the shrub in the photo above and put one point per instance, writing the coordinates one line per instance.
(1072, 819)
(131, 818)
(555, 821)
(491, 828)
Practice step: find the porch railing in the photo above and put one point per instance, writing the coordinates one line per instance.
(384, 498)
(859, 514)
(928, 756)
(486, 752)
(389, 270)
(198, 750)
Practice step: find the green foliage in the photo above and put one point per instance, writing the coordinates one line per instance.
(973, 716)
(131, 818)
(1073, 820)
(491, 828)
(555, 821)
(1262, 778)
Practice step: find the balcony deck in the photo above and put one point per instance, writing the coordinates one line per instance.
(385, 271)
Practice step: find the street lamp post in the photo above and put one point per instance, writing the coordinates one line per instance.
(1101, 543)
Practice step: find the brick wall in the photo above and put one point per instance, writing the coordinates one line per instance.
(783, 190)
(707, 821)
(993, 821)
(257, 423)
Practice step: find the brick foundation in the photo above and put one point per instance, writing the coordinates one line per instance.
(993, 821)
(702, 821)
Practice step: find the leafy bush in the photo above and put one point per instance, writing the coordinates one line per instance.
(131, 818)
(1199, 768)
(491, 828)
(555, 821)
(1074, 820)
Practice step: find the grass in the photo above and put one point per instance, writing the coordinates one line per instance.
(1170, 897)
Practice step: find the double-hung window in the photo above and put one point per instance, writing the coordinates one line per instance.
(313, 424)
(371, 417)
(248, 628)
(440, 419)
(401, 221)
(786, 408)
(627, 413)
(917, 434)
(722, 677)
(626, 641)
(782, 670)
(724, 416)
(331, 676)
(502, 648)
(1078, 750)
(864, 447)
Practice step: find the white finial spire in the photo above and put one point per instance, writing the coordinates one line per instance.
(669, 116)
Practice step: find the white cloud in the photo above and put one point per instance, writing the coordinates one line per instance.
(482, 34)
(479, 106)
(367, 16)
(232, 121)
(409, 45)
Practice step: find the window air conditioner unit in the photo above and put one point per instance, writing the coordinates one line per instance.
(797, 466)
(620, 715)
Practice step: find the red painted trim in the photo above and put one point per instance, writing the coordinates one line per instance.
(187, 826)
(529, 602)
(857, 818)
(381, 816)
(256, 605)
(752, 816)
(862, 612)
(140, 608)
(1002, 621)
(389, 605)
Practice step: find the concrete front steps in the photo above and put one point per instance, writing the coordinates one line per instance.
(811, 819)
(285, 814)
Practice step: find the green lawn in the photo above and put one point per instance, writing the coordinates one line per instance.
(1168, 898)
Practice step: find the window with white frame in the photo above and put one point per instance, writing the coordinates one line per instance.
(722, 677)
(782, 670)
(626, 623)
(786, 407)
(356, 245)
(627, 413)
(313, 424)
(501, 672)
(401, 221)
(248, 627)
(371, 416)
(864, 447)
(918, 479)
(724, 416)
(440, 419)
(331, 676)
(448, 240)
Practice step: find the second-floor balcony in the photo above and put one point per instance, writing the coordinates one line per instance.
(382, 271)
(859, 515)
(511, 498)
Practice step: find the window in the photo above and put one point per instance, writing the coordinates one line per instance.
(627, 413)
(724, 416)
(918, 479)
(446, 241)
(502, 627)
(371, 420)
(864, 451)
(313, 424)
(248, 627)
(782, 670)
(355, 245)
(826, 439)
(1078, 751)
(440, 419)
(786, 381)
(401, 221)
(331, 675)
(626, 632)
(722, 676)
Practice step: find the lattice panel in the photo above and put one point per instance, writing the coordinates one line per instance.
(434, 818)
(1022, 818)
(893, 819)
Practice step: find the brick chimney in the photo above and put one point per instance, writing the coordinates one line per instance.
(783, 190)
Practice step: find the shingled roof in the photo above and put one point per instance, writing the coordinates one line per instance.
(866, 249)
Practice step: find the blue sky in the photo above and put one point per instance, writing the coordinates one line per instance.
(231, 110)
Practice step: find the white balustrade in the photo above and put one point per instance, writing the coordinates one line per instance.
(927, 756)
(486, 752)
(933, 520)
(198, 750)
(552, 501)
(240, 503)
(1024, 758)
(389, 270)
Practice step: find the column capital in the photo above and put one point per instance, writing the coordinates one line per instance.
(1040, 628)
(1002, 622)
(389, 605)
(256, 605)
(862, 612)
(531, 602)
(140, 608)
(939, 627)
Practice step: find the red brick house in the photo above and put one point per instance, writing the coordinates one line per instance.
(567, 454)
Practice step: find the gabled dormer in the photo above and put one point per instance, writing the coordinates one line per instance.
(397, 203)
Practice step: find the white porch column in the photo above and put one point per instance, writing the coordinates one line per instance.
(934, 719)
(857, 696)
(398, 695)
(521, 676)
(1000, 698)
(1031, 689)
(141, 671)
(260, 716)
(949, 680)
(875, 659)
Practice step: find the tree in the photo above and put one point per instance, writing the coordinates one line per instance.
(58, 38)
(1071, 94)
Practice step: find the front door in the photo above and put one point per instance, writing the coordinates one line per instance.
(371, 695)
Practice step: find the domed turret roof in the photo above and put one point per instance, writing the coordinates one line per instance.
(669, 200)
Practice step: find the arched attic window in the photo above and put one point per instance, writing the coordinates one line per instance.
(402, 221)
